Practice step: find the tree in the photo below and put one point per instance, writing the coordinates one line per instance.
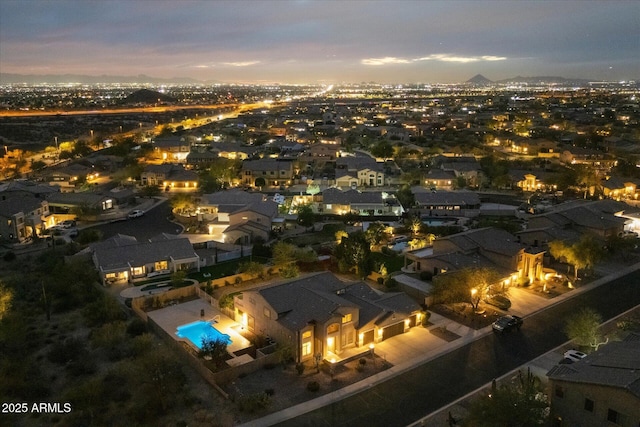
(183, 202)
(376, 232)
(582, 327)
(283, 253)
(306, 217)
(260, 182)
(518, 404)
(251, 268)
(216, 349)
(582, 254)
(355, 251)
(6, 297)
(468, 285)
(406, 198)
(383, 149)
(177, 278)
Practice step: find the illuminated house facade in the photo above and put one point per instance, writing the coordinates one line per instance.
(485, 247)
(321, 315)
(124, 259)
(172, 149)
(170, 177)
(23, 217)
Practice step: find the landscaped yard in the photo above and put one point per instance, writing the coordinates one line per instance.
(391, 262)
(223, 269)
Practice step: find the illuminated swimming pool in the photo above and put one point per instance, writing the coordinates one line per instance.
(201, 330)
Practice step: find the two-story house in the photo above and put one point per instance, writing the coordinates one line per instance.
(360, 171)
(320, 315)
(267, 172)
(174, 148)
(237, 215)
(23, 217)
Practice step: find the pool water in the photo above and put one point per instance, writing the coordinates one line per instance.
(197, 331)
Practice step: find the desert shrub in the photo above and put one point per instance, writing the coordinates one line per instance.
(66, 351)
(136, 327)
(300, 368)
(313, 386)
(269, 392)
(253, 402)
(9, 256)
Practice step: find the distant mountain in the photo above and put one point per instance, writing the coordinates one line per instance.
(8, 78)
(146, 96)
(479, 80)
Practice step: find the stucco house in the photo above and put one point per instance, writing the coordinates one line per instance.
(321, 315)
(170, 177)
(366, 203)
(484, 247)
(602, 389)
(124, 259)
(23, 217)
(239, 215)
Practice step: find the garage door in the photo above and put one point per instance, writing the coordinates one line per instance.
(393, 330)
(367, 337)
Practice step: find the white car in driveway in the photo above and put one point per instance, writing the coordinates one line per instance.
(574, 355)
(136, 213)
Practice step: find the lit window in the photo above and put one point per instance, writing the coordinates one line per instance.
(306, 334)
(346, 318)
(306, 349)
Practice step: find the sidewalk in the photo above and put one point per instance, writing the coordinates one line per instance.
(424, 347)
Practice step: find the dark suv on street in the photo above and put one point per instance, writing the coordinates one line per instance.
(507, 323)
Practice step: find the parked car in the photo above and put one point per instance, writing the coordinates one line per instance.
(68, 223)
(136, 213)
(574, 355)
(500, 301)
(629, 234)
(507, 323)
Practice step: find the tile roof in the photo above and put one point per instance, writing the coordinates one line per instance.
(137, 254)
(449, 198)
(616, 364)
(317, 298)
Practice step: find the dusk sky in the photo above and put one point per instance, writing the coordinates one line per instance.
(322, 41)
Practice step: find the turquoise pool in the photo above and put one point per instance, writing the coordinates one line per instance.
(197, 331)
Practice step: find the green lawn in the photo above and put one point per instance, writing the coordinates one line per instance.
(223, 269)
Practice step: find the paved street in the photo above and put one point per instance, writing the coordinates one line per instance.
(406, 393)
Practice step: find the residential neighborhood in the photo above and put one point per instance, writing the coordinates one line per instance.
(342, 237)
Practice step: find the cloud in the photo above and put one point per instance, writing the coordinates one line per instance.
(384, 61)
(241, 64)
(442, 57)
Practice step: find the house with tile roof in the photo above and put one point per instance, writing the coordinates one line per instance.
(275, 172)
(602, 218)
(241, 216)
(174, 148)
(602, 389)
(22, 217)
(445, 202)
(124, 259)
(320, 315)
(367, 203)
(485, 247)
(170, 177)
(363, 171)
